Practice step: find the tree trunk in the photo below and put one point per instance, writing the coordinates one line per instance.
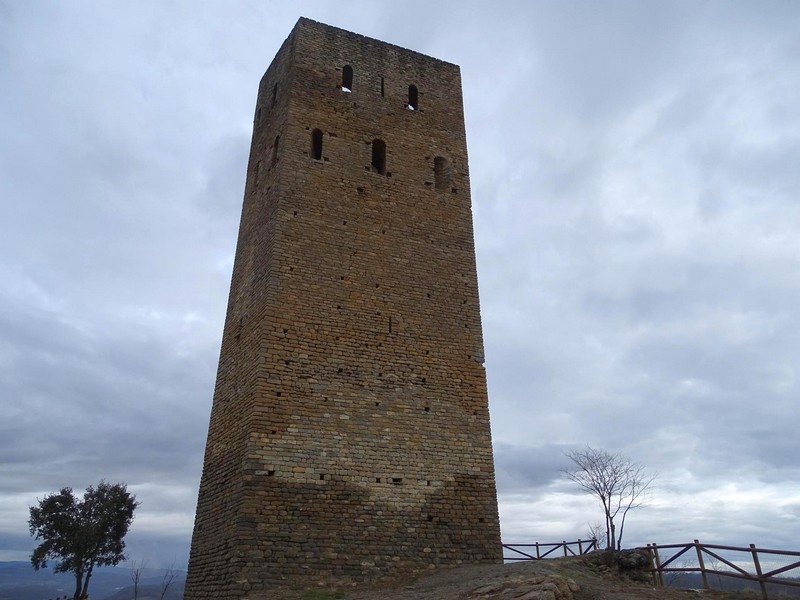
(78, 585)
(85, 592)
(613, 545)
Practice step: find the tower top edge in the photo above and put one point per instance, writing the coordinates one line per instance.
(306, 23)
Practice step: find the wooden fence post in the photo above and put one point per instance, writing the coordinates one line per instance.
(702, 564)
(658, 565)
(757, 564)
(565, 546)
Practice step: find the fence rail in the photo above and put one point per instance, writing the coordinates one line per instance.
(535, 551)
(661, 564)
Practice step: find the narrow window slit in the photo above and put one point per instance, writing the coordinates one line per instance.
(316, 144)
(379, 156)
(275, 150)
(413, 95)
(347, 78)
(442, 173)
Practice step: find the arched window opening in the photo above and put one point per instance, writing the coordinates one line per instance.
(275, 150)
(413, 103)
(442, 173)
(379, 156)
(347, 78)
(316, 144)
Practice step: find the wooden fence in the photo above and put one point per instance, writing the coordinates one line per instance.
(709, 554)
(535, 551)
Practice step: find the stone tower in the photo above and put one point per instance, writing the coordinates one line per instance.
(349, 435)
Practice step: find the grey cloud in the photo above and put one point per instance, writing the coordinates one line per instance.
(528, 468)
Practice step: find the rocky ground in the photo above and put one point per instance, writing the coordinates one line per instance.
(573, 578)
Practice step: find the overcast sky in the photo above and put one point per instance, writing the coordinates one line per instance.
(635, 171)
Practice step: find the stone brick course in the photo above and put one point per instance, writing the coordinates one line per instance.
(349, 437)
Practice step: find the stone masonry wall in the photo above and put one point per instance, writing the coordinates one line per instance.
(349, 436)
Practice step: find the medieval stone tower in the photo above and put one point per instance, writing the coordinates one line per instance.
(349, 435)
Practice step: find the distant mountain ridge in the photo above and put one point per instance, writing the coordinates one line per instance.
(19, 581)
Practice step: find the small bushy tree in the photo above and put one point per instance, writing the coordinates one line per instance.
(82, 534)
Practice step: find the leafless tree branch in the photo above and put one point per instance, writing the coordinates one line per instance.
(618, 483)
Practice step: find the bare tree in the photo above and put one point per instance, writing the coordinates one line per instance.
(168, 579)
(136, 576)
(597, 533)
(618, 483)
